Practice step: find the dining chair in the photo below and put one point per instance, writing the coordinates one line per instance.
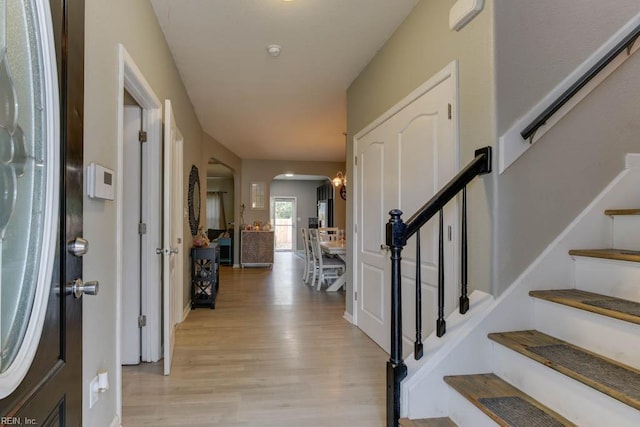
(309, 261)
(327, 267)
(328, 233)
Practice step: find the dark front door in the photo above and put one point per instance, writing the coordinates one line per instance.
(50, 393)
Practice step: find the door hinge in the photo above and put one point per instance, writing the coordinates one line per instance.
(355, 296)
(449, 111)
(142, 228)
(356, 160)
(142, 321)
(142, 136)
(355, 228)
(449, 232)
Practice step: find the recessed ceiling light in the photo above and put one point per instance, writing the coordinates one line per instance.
(288, 174)
(274, 50)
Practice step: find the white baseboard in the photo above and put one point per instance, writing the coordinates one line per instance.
(348, 317)
(115, 422)
(186, 312)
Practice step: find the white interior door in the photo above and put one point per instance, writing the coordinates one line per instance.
(170, 235)
(177, 215)
(404, 158)
(131, 271)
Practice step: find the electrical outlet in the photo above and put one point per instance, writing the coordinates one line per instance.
(94, 393)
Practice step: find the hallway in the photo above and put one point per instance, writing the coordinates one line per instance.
(274, 352)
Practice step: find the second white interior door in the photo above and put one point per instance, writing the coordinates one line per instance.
(403, 159)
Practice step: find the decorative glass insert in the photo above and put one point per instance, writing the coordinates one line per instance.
(29, 165)
(258, 195)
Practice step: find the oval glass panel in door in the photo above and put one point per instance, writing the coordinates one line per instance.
(29, 169)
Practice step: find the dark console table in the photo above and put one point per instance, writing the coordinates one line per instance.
(205, 275)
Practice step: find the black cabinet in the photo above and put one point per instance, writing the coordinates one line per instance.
(205, 275)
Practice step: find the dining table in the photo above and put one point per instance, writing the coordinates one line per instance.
(336, 248)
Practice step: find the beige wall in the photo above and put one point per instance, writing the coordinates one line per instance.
(107, 24)
(422, 46)
(266, 170)
(544, 190)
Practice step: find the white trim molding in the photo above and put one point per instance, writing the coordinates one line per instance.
(131, 78)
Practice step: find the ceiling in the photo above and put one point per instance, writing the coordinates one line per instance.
(291, 107)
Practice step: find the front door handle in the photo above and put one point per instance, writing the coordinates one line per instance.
(79, 288)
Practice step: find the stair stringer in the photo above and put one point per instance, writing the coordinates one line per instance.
(424, 393)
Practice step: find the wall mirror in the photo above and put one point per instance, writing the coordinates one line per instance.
(194, 200)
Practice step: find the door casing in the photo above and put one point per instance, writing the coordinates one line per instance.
(449, 72)
(131, 78)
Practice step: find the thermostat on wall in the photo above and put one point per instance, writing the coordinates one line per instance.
(464, 11)
(100, 182)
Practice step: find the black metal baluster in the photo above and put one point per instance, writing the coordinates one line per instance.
(441, 325)
(418, 348)
(464, 299)
(396, 369)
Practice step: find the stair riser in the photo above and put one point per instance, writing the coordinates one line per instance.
(466, 414)
(579, 403)
(615, 278)
(626, 233)
(608, 337)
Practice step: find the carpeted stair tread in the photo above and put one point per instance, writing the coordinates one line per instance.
(505, 404)
(428, 422)
(615, 212)
(616, 308)
(614, 254)
(619, 381)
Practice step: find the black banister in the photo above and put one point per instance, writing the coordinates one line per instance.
(464, 299)
(625, 44)
(397, 233)
(418, 348)
(441, 325)
(480, 165)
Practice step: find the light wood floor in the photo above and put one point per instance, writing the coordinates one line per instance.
(273, 353)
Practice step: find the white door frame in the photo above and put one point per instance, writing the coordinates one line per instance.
(131, 78)
(450, 71)
(172, 226)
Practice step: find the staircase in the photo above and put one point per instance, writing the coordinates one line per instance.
(577, 362)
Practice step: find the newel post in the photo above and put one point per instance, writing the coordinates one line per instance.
(396, 369)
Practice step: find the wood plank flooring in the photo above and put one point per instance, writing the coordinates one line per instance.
(274, 352)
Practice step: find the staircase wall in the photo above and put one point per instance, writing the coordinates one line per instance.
(537, 45)
(468, 350)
